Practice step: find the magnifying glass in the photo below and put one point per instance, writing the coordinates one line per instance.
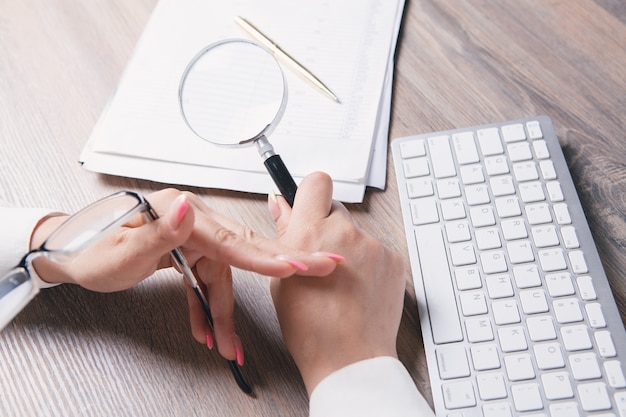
(232, 94)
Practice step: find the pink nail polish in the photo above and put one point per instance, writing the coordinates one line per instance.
(209, 341)
(296, 264)
(238, 349)
(333, 256)
(183, 206)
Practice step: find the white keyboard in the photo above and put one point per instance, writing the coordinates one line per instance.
(516, 311)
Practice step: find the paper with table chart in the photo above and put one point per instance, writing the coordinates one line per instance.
(349, 45)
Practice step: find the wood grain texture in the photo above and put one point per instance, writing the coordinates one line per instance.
(76, 353)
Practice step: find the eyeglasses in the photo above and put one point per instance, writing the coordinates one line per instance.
(81, 231)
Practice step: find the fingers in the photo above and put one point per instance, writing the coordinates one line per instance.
(133, 253)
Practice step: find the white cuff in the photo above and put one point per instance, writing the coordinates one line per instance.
(16, 226)
(374, 387)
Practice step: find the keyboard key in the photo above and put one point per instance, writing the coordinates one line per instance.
(485, 357)
(541, 149)
(605, 345)
(585, 288)
(501, 185)
(477, 194)
(584, 366)
(479, 330)
(594, 396)
(520, 251)
(496, 165)
(493, 262)
(559, 284)
(508, 207)
(412, 148)
(552, 259)
(512, 339)
(570, 239)
(577, 260)
(441, 157)
(513, 229)
(471, 174)
(526, 397)
(534, 130)
(554, 191)
(489, 141)
(538, 213)
(491, 386)
(499, 286)
(458, 395)
(525, 171)
(473, 303)
(549, 356)
(567, 310)
(420, 188)
(614, 374)
(467, 278)
(519, 152)
(416, 167)
(452, 362)
(541, 328)
(488, 238)
(437, 280)
(547, 170)
(453, 209)
(527, 276)
(448, 188)
(595, 317)
(482, 216)
(505, 312)
(462, 254)
(561, 213)
(544, 236)
(575, 338)
(513, 133)
(557, 385)
(533, 301)
(519, 367)
(531, 192)
(569, 409)
(465, 148)
(497, 410)
(458, 231)
(424, 211)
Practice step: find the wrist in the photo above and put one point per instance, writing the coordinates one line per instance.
(48, 271)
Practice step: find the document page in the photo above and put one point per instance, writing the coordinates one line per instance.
(348, 45)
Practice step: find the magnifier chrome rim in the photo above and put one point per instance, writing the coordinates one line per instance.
(269, 128)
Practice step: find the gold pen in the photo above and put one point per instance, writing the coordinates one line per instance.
(285, 57)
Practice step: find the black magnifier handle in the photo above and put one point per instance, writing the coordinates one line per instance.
(277, 170)
(282, 178)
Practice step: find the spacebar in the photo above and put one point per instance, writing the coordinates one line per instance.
(440, 297)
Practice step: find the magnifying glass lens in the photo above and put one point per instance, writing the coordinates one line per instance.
(232, 92)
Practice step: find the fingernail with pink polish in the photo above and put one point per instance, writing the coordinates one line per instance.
(335, 257)
(209, 341)
(238, 349)
(180, 208)
(296, 264)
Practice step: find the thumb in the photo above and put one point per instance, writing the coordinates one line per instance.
(280, 212)
(156, 239)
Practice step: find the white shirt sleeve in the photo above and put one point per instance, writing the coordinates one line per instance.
(16, 228)
(374, 387)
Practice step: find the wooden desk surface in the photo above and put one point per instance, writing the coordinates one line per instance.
(72, 352)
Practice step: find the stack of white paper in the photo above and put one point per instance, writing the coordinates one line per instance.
(348, 44)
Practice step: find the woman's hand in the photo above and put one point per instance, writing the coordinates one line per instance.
(211, 243)
(350, 315)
